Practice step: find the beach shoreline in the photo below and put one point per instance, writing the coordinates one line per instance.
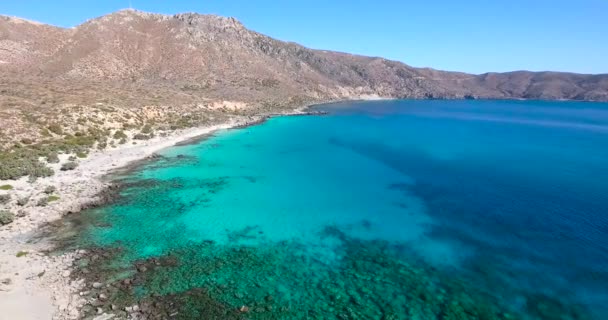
(35, 285)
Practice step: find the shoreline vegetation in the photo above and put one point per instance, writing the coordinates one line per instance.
(35, 283)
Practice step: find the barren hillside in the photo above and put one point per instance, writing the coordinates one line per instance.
(129, 69)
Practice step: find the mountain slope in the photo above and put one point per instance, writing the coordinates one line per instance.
(132, 75)
(217, 57)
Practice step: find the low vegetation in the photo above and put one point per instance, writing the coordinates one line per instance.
(42, 202)
(141, 136)
(23, 201)
(81, 154)
(21, 254)
(51, 125)
(55, 128)
(52, 157)
(119, 135)
(22, 162)
(6, 217)
(50, 190)
(69, 166)
(6, 187)
(5, 198)
(147, 129)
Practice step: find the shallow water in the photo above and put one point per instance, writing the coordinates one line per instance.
(379, 210)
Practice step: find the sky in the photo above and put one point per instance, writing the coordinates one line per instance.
(474, 36)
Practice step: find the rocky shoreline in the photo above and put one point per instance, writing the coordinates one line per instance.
(37, 285)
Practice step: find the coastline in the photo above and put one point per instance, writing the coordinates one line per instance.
(44, 286)
(35, 285)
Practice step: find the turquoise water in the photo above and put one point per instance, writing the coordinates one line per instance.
(378, 210)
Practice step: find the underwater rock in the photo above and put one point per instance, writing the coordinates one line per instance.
(370, 280)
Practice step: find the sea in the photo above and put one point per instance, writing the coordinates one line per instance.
(400, 209)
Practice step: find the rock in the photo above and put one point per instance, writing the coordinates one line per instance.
(96, 303)
(131, 309)
(104, 316)
(103, 297)
(97, 285)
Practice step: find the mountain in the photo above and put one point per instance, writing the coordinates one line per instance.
(132, 68)
(217, 57)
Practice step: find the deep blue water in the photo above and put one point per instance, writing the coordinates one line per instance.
(468, 204)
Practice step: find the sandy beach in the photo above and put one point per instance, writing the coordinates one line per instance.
(34, 285)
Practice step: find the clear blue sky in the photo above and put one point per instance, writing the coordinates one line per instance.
(467, 35)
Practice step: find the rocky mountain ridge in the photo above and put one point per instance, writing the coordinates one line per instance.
(216, 57)
(131, 68)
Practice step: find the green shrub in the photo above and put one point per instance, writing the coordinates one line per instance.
(77, 142)
(6, 217)
(23, 201)
(45, 133)
(55, 128)
(122, 141)
(5, 198)
(21, 254)
(27, 141)
(146, 129)
(6, 187)
(22, 162)
(69, 166)
(81, 154)
(40, 171)
(52, 157)
(120, 135)
(42, 202)
(71, 158)
(50, 190)
(141, 136)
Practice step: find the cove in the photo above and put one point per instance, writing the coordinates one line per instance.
(378, 210)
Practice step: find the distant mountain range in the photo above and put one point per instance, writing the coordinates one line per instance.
(184, 57)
